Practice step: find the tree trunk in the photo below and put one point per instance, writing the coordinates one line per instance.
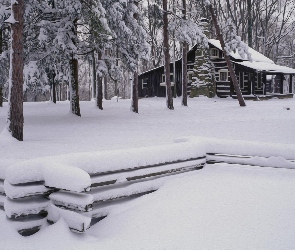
(134, 105)
(1, 96)
(227, 59)
(184, 61)
(250, 22)
(74, 95)
(99, 88)
(105, 84)
(93, 76)
(1, 83)
(15, 114)
(53, 89)
(135, 93)
(169, 98)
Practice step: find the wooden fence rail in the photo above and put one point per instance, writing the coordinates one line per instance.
(30, 205)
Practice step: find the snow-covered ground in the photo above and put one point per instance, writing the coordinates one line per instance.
(219, 207)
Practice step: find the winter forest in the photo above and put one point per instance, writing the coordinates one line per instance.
(83, 50)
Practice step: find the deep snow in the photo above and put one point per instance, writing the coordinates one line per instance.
(219, 207)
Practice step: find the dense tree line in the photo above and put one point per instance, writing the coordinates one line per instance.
(97, 48)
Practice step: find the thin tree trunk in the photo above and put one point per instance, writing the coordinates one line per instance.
(99, 88)
(93, 76)
(1, 83)
(15, 114)
(1, 96)
(74, 87)
(184, 61)
(227, 59)
(169, 98)
(53, 89)
(105, 84)
(250, 22)
(134, 104)
(75, 105)
(135, 93)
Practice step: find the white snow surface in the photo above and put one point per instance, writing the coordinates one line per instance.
(25, 206)
(81, 200)
(15, 192)
(219, 207)
(66, 177)
(74, 220)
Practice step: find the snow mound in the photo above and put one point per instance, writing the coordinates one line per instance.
(74, 220)
(66, 177)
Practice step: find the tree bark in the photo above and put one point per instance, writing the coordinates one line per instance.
(227, 59)
(134, 104)
(93, 76)
(1, 96)
(15, 114)
(99, 88)
(1, 83)
(169, 98)
(135, 93)
(53, 89)
(74, 95)
(105, 84)
(184, 61)
(250, 23)
(74, 87)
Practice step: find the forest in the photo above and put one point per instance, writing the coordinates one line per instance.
(95, 49)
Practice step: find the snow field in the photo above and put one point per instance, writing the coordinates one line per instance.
(242, 208)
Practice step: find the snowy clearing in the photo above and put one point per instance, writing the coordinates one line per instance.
(219, 207)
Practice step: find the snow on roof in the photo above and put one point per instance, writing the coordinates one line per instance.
(256, 56)
(269, 67)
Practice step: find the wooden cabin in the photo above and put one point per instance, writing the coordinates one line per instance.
(261, 78)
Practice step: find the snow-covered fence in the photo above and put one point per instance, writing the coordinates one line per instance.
(2, 194)
(84, 187)
(261, 154)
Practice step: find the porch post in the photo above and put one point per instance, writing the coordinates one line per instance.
(290, 84)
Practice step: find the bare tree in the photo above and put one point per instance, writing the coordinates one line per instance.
(167, 56)
(184, 61)
(227, 59)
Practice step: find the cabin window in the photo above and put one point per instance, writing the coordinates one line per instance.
(223, 75)
(241, 79)
(163, 83)
(144, 82)
(199, 53)
(215, 53)
(259, 80)
(171, 78)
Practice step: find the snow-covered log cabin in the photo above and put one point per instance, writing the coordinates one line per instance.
(208, 75)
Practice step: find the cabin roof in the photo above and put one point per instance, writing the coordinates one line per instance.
(256, 56)
(267, 67)
(259, 61)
